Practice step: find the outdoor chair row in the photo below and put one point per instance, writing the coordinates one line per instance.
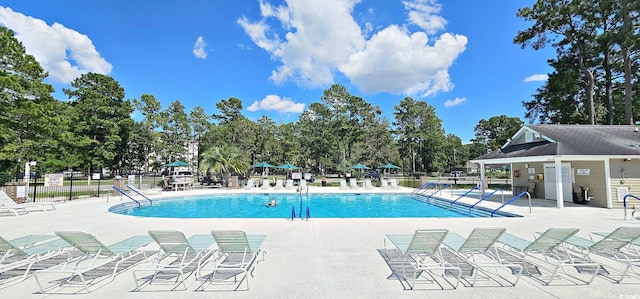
(353, 184)
(445, 258)
(279, 185)
(79, 259)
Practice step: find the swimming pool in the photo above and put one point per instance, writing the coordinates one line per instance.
(319, 205)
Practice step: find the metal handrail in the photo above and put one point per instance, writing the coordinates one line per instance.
(421, 187)
(444, 186)
(430, 186)
(127, 195)
(463, 195)
(487, 196)
(624, 202)
(138, 192)
(512, 200)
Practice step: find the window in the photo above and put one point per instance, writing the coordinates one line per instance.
(528, 136)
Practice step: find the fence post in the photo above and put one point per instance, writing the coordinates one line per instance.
(71, 186)
(35, 182)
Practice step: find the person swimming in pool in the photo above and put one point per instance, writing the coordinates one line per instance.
(272, 203)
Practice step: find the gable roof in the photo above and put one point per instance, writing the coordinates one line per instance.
(570, 140)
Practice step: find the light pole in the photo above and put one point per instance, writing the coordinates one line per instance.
(413, 162)
(27, 175)
(18, 171)
(454, 160)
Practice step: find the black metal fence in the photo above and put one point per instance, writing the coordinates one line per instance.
(77, 186)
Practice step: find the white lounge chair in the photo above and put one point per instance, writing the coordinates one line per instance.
(266, 184)
(303, 184)
(367, 184)
(343, 184)
(177, 259)
(289, 185)
(422, 251)
(22, 256)
(250, 184)
(547, 248)
(384, 184)
(353, 183)
(479, 250)
(9, 205)
(238, 254)
(89, 269)
(620, 245)
(393, 183)
(279, 185)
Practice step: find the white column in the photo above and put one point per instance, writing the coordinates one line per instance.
(559, 190)
(27, 176)
(607, 182)
(483, 180)
(27, 173)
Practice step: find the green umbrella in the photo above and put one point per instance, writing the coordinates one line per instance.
(390, 166)
(177, 164)
(287, 166)
(359, 166)
(263, 164)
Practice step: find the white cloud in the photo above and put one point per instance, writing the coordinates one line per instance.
(536, 77)
(322, 40)
(399, 62)
(64, 53)
(424, 14)
(323, 34)
(199, 49)
(454, 102)
(273, 102)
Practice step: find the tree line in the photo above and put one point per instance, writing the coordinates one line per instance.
(93, 129)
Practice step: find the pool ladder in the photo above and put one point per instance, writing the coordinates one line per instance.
(307, 212)
(624, 203)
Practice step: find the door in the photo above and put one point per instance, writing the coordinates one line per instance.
(550, 181)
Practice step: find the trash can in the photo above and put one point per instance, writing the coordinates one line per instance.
(324, 182)
(234, 182)
(117, 182)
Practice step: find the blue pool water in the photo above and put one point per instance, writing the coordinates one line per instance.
(320, 206)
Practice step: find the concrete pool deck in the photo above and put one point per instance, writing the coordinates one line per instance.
(321, 258)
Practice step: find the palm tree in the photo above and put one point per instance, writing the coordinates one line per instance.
(224, 159)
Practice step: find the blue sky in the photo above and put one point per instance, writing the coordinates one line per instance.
(279, 56)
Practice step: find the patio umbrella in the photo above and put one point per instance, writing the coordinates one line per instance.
(177, 164)
(389, 166)
(287, 166)
(359, 166)
(264, 165)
